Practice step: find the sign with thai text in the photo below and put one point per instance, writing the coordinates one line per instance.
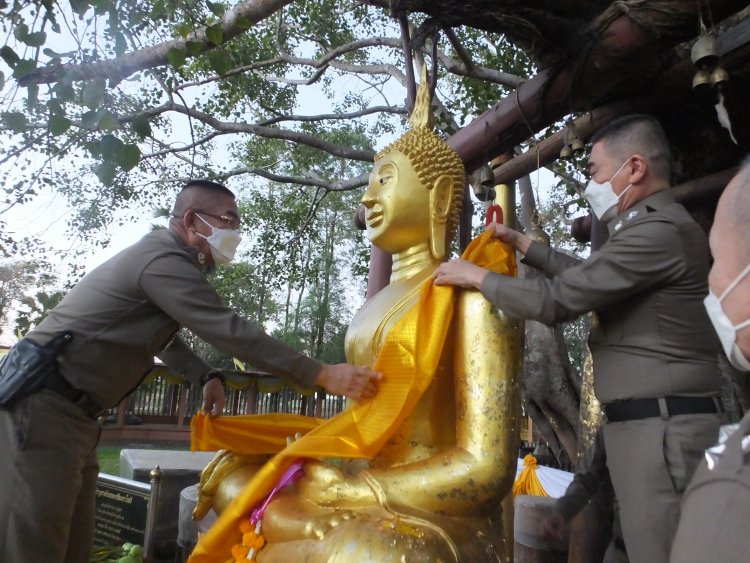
(121, 510)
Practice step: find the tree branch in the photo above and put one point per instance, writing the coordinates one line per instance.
(334, 116)
(224, 127)
(329, 186)
(233, 23)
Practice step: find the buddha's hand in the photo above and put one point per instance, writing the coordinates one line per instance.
(460, 272)
(325, 485)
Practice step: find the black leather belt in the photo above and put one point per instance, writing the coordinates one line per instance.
(58, 384)
(634, 409)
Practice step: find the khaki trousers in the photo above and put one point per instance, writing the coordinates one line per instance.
(651, 462)
(713, 526)
(48, 472)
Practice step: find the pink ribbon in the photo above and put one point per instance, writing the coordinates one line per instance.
(291, 475)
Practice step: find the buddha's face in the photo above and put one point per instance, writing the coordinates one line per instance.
(397, 205)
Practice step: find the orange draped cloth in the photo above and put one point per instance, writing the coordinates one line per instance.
(408, 360)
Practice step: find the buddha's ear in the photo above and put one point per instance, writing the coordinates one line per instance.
(441, 203)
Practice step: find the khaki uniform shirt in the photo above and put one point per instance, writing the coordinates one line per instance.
(653, 337)
(126, 311)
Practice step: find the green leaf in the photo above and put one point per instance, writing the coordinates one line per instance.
(14, 120)
(92, 95)
(216, 8)
(121, 44)
(215, 34)
(176, 57)
(51, 54)
(100, 6)
(243, 22)
(36, 39)
(79, 6)
(90, 119)
(219, 62)
(55, 55)
(193, 47)
(107, 121)
(128, 157)
(110, 146)
(94, 148)
(64, 92)
(141, 126)
(106, 172)
(59, 124)
(9, 56)
(184, 29)
(21, 31)
(23, 67)
(55, 107)
(158, 11)
(32, 96)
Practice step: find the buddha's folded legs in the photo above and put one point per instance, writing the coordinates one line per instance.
(296, 528)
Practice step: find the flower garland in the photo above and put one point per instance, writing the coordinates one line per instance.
(252, 542)
(252, 538)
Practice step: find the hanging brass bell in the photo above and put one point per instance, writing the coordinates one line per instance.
(572, 138)
(486, 177)
(484, 186)
(566, 152)
(536, 233)
(719, 77)
(705, 51)
(701, 81)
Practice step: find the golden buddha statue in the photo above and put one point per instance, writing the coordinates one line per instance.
(433, 490)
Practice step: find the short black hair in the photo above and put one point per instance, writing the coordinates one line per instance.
(640, 133)
(209, 185)
(190, 191)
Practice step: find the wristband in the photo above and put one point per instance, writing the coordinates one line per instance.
(212, 375)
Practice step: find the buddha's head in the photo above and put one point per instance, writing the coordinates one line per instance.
(416, 188)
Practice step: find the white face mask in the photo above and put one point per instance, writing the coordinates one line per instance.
(726, 331)
(223, 242)
(602, 198)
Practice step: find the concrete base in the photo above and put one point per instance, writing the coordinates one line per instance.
(529, 544)
(180, 469)
(189, 529)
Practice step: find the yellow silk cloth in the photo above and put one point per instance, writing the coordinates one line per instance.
(527, 482)
(408, 360)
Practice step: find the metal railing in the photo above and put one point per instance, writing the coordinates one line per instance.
(161, 402)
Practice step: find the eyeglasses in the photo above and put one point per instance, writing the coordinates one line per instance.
(231, 222)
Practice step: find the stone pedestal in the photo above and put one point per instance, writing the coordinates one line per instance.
(180, 469)
(529, 546)
(189, 529)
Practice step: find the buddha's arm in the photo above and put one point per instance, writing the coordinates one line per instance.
(487, 383)
(481, 465)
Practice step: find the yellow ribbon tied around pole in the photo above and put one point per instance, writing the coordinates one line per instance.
(408, 360)
(527, 482)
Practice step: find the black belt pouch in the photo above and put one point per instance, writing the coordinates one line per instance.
(26, 367)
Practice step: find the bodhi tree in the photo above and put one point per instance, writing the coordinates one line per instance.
(114, 104)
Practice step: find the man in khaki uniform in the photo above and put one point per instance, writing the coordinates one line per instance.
(713, 524)
(120, 316)
(655, 363)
